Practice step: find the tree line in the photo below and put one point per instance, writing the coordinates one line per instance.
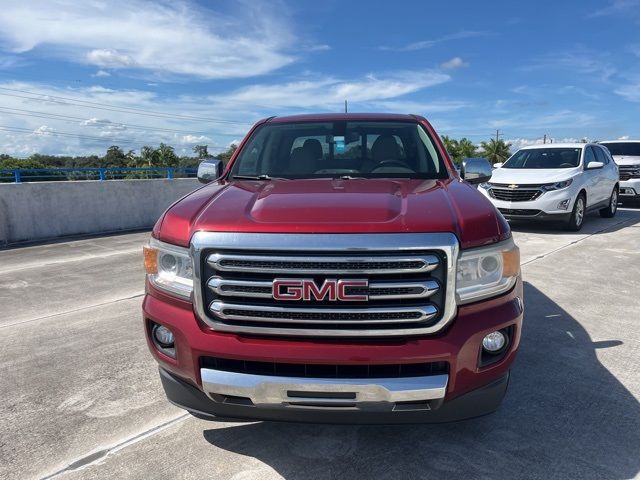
(493, 150)
(162, 156)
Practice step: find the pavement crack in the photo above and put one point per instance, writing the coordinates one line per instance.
(99, 455)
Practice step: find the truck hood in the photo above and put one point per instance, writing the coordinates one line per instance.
(632, 160)
(532, 175)
(335, 206)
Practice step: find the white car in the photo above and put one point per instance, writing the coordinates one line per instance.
(561, 182)
(626, 153)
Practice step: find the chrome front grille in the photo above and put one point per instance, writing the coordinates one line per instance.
(523, 193)
(629, 171)
(408, 289)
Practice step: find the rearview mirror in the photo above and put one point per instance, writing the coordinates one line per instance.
(594, 165)
(210, 170)
(475, 170)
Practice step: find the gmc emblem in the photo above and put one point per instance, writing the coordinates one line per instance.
(306, 289)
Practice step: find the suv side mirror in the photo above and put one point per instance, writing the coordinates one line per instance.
(594, 165)
(497, 165)
(476, 170)
(210, 170)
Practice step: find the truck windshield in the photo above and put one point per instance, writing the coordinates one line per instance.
(544, 158)
(362, 149)
(629, 149)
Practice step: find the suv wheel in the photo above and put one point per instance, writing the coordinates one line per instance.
(577, 215)
(610, 210)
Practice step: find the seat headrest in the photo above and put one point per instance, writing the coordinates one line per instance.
(385, 148)
(302, 161)
(313, 146)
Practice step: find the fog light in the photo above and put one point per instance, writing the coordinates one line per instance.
(494, 342)
(163, 336)
(564, 204)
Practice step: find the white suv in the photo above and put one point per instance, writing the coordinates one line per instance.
(626, 154)
(561, 182)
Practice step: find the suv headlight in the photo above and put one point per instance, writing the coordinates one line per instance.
(485, 185)
(169, 268)
(547, 187)
(487, 271)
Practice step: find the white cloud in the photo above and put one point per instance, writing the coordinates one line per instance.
(133, 118)
(421, 108)
(103, 124)
(109, 58)
(423, 44)
(101, 73)
(165, 37)
(617, 7)
(578, 60)
(630, 91)
(43, 130)
(319, 48)
(455, 62)
(194, 139)
(329, 92)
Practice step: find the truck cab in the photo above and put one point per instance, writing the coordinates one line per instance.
(338, 269)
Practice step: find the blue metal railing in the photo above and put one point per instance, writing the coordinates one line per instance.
(20, 175)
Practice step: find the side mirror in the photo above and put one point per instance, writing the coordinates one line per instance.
(497, 165)
(210, 170)
(594, 165)
(476, 170)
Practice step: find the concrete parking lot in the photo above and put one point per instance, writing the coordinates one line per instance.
(81, 396)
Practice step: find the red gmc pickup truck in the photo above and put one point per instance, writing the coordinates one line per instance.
(338, 270)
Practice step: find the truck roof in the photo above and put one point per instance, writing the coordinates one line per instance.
(333, 117)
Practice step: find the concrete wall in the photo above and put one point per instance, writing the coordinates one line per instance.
(44, 210)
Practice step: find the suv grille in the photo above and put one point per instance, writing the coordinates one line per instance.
(522, 193)
(629, 171)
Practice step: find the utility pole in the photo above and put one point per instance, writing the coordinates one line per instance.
(498, 135)
(544, 139)
(345, 106)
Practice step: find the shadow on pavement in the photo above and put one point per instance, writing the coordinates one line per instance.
(593, 224)
(564, 416)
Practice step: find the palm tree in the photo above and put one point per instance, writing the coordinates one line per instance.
(167, 156)
(495, 150)
(149, 156)
(467, 148)
(452, 147)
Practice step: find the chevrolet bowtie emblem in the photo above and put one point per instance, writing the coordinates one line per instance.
(513, 185)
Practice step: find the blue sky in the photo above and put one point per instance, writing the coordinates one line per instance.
(76, 77)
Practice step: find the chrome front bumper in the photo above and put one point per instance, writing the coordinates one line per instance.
(363, 394)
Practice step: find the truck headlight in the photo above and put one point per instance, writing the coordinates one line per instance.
(486, 271)
(169, 268)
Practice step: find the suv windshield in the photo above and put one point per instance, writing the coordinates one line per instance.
(630, 149)
(545, 158)
(364, 149)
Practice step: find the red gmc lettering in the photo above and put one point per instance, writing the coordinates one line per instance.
(306, 289)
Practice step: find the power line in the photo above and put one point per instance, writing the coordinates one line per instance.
(113, 108)
(57, 116)
(121, 141)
